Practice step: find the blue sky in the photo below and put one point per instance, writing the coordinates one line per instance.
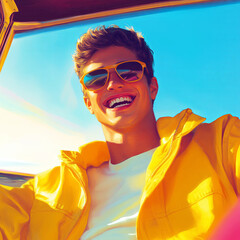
(197, 55)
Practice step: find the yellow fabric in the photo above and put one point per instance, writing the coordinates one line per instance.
(192, 180)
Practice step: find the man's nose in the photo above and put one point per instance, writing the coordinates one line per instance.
(114, 81)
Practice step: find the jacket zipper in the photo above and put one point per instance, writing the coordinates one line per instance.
(164, 160)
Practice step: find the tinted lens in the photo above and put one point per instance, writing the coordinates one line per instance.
(130, 71)
(95, 79)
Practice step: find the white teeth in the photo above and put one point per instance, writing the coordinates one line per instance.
(118, 100)
(121, 105)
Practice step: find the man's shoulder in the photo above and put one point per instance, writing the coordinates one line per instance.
(223, 125)
(186, 121)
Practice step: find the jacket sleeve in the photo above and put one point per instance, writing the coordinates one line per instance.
(231, 152)
(15, 207)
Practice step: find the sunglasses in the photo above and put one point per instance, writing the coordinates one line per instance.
(129, 71)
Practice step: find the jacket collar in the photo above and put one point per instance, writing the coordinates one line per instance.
(178, 126)
(95, 153)
(90, 154)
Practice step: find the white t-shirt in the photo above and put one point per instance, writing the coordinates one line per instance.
(115, 198)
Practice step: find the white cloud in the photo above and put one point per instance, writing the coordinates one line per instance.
(29, 144)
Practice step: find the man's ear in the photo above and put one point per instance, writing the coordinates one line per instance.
(88, 104)
(153, 88)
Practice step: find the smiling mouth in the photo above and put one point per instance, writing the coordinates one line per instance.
(119, 101)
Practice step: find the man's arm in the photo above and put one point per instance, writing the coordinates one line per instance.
(15, 207)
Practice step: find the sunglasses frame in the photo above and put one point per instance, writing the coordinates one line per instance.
(108, 73)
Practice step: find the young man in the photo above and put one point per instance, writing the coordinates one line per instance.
(170, 179)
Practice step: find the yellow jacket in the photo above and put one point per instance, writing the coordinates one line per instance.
(192, 179)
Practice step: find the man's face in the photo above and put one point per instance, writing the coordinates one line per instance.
(137, 96)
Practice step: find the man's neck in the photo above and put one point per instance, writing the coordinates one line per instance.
(123, 145)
